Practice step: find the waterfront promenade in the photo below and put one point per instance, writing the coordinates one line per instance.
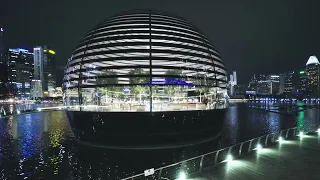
(291, 159)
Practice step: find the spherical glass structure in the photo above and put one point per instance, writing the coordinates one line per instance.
(144, 61)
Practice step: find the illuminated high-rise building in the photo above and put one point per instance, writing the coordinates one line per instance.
(312, 74)
(3, 67)
(302, 82)
(2, 48)
(44, 75)
(289, 82)
(235, 81)
(20, 72)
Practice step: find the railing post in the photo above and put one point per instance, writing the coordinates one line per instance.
(159, 177)
(240, 149)
(182, 164)
(249, 149)
(230, 149)
(295, 131)
(266, 141)
(216, 157)
(273, 135)
(259, 139)
(287, 133)
(201, 164)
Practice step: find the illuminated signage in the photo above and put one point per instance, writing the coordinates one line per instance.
(251, 92)
(45, 92)
(301, 72)
(18, 50)
(52, 52)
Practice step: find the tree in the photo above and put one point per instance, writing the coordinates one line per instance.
(201, 81)
(138, 81)
(174, 72)
(172, 89)
(108, 82)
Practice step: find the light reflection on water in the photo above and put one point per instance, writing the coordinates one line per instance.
(41, 145)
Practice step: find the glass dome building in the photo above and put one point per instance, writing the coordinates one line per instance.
(144, 74)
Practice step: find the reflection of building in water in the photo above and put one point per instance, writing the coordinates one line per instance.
(233, 123)
(300, 117)
(273, 122)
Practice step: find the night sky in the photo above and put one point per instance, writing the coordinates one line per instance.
(252, 36)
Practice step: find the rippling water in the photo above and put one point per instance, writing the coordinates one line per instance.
(41, 145)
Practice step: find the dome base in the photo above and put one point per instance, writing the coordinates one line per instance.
(145, 130)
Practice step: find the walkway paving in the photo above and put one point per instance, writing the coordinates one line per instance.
(293, 159)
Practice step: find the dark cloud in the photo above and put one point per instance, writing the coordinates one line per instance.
(252, 36)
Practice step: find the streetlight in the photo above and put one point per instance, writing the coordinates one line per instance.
(280, 139)
(182, 176)
(259, 147)
(229, 158)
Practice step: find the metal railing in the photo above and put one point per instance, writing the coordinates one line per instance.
(199, 163)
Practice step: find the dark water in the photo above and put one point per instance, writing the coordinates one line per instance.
(41, 145)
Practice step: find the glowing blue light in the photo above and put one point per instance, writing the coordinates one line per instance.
(169, 81)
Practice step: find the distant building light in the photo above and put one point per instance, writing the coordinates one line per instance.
(301, 72)
(1, 29)
(45, 92)
(22, 50)
(36, 48)
(274, 76)
(251, 92)
(52, 52)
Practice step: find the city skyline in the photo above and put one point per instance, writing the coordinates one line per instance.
(246, 35)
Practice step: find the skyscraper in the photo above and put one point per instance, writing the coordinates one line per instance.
(20, 72)
(313, 72)
(302, 82)
(2, 48)
(289, 78)
(44, 75)
(233, 82)
(3, 67)
(36, 85)
(235, 78)
(274, 81)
